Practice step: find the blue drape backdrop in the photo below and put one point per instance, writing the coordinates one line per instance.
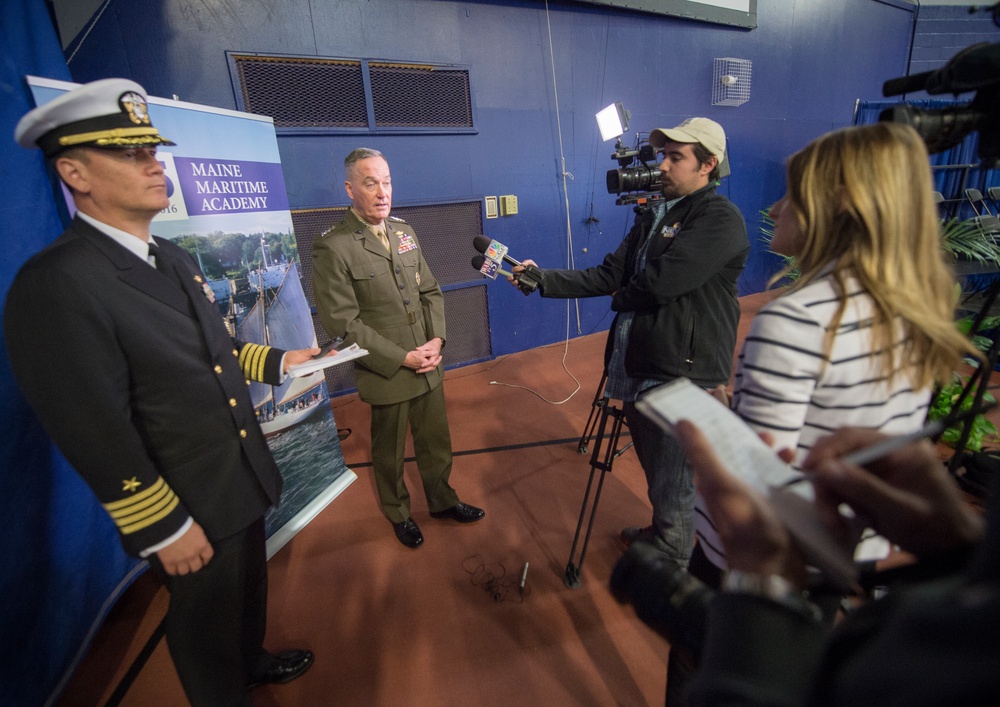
(50, 523)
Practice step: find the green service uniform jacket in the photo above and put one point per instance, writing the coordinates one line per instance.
(387, 302)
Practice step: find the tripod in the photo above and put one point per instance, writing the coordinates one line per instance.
(602, 411)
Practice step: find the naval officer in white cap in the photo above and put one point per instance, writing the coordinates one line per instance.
(133, 374)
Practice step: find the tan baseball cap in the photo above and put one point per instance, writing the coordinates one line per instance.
(703, 130)
(106, 113)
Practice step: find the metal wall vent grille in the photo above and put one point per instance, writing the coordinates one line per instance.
(303, 92)
(419, 96)
(445, 232)
(314, 94)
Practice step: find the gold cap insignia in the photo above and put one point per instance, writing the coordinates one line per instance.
(134, 105)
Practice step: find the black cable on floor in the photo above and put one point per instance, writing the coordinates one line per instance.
(494, 580)
(137, 665)
(490, 450)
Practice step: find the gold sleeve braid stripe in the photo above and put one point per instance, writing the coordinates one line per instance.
(143, 509)
(252, 359)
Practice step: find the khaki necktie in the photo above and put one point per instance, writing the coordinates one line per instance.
(383, 238)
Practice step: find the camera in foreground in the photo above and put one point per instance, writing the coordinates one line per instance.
(665, 596)
(976, 68)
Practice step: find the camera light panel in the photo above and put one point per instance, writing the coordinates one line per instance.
(610, 123)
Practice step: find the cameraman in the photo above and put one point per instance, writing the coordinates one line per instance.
(925, 644)
(672, 282)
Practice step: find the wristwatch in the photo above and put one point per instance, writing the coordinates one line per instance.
(773, 587)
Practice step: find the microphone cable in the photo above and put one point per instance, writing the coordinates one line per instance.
(495, 581)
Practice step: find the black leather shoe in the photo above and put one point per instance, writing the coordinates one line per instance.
(462, 512)
(408, 533)
(287, 666)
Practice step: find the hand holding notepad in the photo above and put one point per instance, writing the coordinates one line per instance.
(343, 355)
(748, 458)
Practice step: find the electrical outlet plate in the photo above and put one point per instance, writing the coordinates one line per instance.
(508, 205)
(491, 207)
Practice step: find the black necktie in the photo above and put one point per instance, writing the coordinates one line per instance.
(154, 253)
(163, 264)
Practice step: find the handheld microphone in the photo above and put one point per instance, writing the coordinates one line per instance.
(494, 250)
(528, 280)
(490, 268)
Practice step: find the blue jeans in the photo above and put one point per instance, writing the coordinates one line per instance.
(671, 485)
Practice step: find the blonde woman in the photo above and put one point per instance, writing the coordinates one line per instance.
(867, 329)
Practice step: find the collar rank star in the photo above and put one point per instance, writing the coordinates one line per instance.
(670, 231)
(406, 242)
(131, 485)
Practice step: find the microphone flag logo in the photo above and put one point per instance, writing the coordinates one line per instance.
(496, 251)
(490, 268)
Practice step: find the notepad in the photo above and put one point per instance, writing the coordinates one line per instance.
(746, 456)
(318, 364)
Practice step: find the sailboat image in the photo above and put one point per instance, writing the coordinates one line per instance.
(280, 317)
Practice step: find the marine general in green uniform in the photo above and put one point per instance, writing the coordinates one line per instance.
(371, 281)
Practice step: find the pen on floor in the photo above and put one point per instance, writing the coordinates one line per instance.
(931, 429)
(524, 578)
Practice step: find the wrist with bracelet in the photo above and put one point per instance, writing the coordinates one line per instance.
(773, 587)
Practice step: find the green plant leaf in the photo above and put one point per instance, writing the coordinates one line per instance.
(767, 235)
(966, 239)
(944, 402)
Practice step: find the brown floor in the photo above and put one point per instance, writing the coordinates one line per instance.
(392, 626)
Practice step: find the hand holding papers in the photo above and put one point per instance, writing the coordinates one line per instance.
(747, 457)
(333, 358)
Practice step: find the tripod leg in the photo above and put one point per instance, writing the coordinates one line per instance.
(599, 403)
(572, 575)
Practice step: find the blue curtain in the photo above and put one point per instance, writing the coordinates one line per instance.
(950, 180)
(62, 563)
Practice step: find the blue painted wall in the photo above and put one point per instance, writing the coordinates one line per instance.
(941, 31)
(811, 61)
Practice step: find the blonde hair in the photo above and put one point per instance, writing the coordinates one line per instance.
(863, 200)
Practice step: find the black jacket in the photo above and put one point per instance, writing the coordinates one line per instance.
(684, 300)
(139, 383)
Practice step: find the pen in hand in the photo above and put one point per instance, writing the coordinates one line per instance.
(868, 454)
(329, 347)
(931, 429)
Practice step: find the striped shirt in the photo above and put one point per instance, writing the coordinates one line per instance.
(787, 386)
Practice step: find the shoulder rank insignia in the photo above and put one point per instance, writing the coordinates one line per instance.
(395, 218)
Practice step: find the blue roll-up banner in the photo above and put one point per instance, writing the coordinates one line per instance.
(229, 209)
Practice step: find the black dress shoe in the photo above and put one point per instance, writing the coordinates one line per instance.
(408, 533)
(287, 666)
(462, 512)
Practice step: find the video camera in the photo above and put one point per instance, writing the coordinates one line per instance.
(638, 171)
(665, 596)
(976, 68)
